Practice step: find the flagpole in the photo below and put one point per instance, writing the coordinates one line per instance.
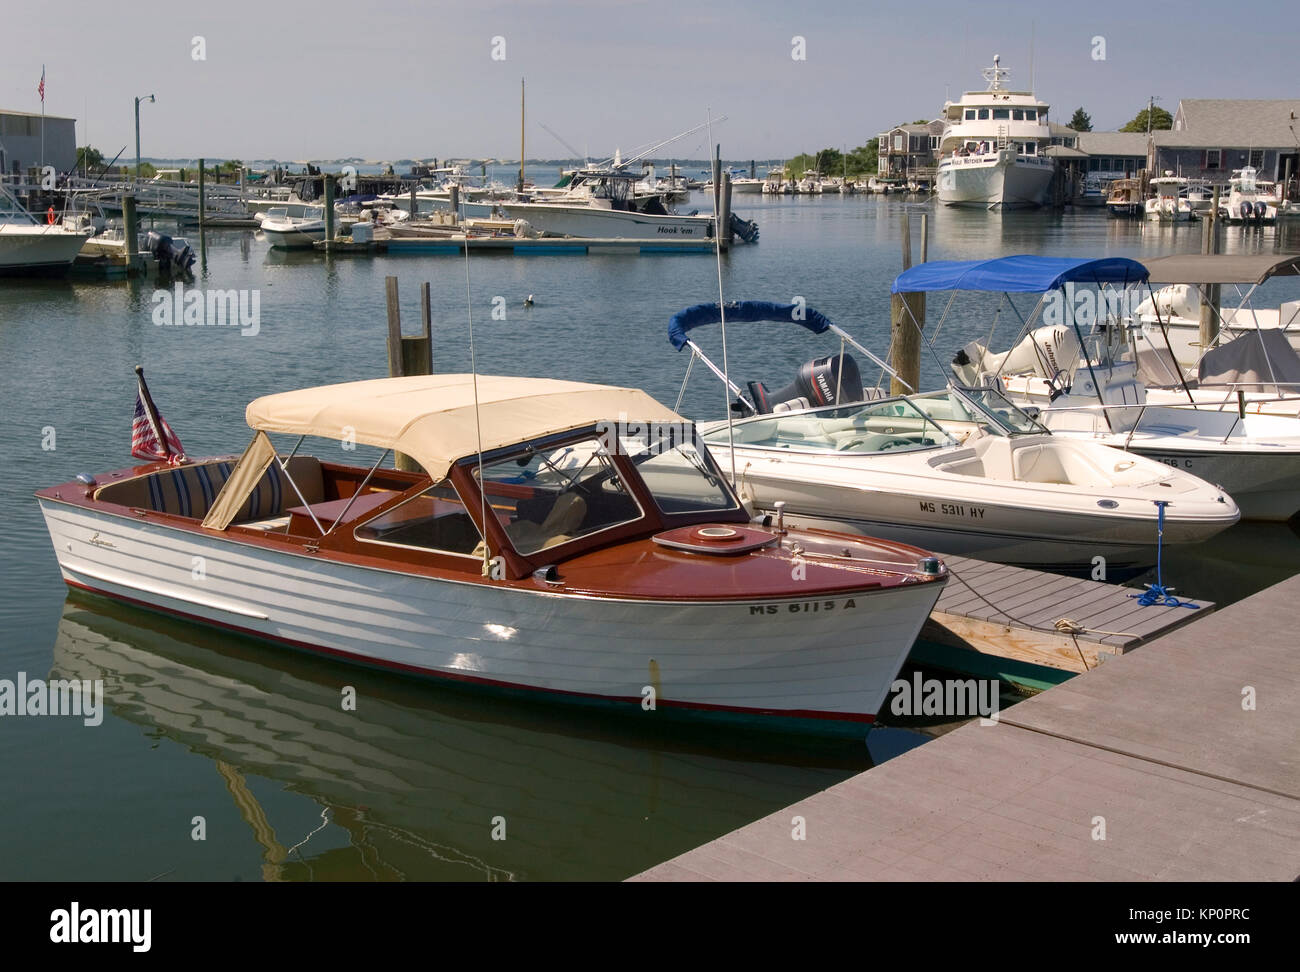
(150, 411)
(42, 115)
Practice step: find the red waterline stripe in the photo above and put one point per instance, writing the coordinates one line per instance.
(474, 679)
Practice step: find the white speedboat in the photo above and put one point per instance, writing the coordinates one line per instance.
(1081, 391)
(1250, 199)
(961, 471)
(1168, 202)
(606, 206)
(30, 247)
(1172, 313)
(292, 232)
(992, 148)
(569, 541)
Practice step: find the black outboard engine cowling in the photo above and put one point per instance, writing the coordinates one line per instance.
(816, 385)
(172, 255)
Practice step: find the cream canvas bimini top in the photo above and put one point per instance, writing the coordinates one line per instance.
(431, 418)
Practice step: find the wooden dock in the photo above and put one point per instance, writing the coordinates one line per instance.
(1177, 762)
(1034, 629)
(519, 246)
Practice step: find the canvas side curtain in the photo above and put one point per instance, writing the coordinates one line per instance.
(248, 472)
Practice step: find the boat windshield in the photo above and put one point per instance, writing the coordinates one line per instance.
(678, 470)
(987, 408)
(894, 425)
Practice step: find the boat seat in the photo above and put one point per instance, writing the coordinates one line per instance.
(561, 523)
(1038, 464)
(190, 490)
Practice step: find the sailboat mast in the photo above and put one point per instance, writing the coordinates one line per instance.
(520, 187)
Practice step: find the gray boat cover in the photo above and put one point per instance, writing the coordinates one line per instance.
(1257, 359)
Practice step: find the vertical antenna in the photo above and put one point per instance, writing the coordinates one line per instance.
(478, 425)
(722, 306)
(521, 153)
(1032, 29)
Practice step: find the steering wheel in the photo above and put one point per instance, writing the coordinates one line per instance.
(896, 442)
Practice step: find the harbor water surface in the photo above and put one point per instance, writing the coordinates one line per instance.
(249, 747)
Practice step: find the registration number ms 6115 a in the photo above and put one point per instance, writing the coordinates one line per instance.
(802, 607)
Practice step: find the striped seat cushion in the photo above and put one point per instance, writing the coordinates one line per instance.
(190, 490)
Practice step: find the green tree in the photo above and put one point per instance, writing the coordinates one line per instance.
(91, 158)
(1081, 121)
(1161, 120)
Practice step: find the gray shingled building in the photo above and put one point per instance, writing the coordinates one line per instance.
(1213, 136)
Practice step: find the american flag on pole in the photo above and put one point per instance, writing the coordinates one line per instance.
(151, 437)
(41, 87)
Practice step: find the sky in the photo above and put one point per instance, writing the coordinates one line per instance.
(393, 79)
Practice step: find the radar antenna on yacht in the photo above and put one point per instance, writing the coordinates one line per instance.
(996, 75)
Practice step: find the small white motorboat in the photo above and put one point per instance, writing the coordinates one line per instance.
(961, 471)
(1080, 389)
(287, 232)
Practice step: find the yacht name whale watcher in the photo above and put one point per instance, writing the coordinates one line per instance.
(105, 925)
(60, 696)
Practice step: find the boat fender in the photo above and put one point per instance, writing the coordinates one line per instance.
(49, 215)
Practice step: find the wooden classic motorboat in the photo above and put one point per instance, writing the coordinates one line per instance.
(565, 539)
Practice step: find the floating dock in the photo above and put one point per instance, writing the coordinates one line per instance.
(512, 244)
(1034, 629)
(1178, 762)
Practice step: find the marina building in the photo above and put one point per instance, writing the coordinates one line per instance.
(21, 142)
(1213, 136)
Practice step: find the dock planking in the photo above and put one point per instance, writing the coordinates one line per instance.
(1159, 747)
(991, 612)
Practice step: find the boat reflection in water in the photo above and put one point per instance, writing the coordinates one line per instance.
(412, 783)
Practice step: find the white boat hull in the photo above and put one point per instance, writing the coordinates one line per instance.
(38, 249)
(996, 181)
(1045, 525)
(819, 662)
(595, 223)
(288, 237)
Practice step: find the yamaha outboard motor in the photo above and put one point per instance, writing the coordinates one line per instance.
(1246, 210)
(1261, 210)
(832, 380)
(172, 255)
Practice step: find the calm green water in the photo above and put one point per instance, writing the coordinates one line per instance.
(252, 739)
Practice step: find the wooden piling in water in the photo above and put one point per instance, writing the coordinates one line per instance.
(1209, 331)
(724, 213)
(408, 355)
(453, 198)
(130, 229)
(202, 190)
(906, 318)
(329, 213)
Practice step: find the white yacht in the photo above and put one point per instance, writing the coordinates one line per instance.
(991, 152)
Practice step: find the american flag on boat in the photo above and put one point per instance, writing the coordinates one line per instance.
(151, 437)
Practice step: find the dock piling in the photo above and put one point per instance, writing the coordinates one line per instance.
(407, 355)
(329, 216)
(1209, 332)
(906, 318)
(724, 213)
